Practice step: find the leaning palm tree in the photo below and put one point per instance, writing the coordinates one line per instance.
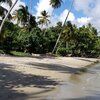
(7, 15)
(56, 4)
(43, 19)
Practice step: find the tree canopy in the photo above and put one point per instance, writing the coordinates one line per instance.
(74, 41)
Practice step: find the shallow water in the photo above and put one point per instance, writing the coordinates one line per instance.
(83, 86)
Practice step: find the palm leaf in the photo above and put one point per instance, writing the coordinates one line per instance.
(55, 3)
(7, 1)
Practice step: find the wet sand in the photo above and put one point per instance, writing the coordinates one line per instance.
(37, 77)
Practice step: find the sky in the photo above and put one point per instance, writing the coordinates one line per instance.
(83, 11)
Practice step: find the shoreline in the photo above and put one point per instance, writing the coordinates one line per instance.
(25, 76)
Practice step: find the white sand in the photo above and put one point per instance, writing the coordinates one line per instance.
(25, 78)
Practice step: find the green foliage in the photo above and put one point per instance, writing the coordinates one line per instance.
(1, 52)
(83, 41)
(74, 41)
(62, 51)
(55, 3)
(43, 19)
(22, 54)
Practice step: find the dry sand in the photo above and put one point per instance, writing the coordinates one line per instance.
(34, 78)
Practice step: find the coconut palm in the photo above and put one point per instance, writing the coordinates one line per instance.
(21, 15)
(67, 35)
(7, 15)
(32, 22)
(7, 1)
(56, 4)
(3, 10)
(43, 19)
(17, 16)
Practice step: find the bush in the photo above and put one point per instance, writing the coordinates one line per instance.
(62, 51)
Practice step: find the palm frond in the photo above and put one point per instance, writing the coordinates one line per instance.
(7, 1)
(55, 3)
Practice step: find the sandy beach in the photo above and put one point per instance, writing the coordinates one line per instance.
(33, 78)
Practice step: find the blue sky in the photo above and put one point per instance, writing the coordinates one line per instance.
(83, 11)
(58, 14)
(65, 5)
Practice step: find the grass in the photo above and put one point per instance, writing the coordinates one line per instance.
(2, 52)
(21, 54)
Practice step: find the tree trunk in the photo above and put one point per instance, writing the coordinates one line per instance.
(62, 28)
(67, 45)
(7, 16)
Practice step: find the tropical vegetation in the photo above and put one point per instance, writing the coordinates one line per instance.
(31, 36)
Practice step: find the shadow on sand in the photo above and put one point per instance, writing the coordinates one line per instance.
(10, 79)
(57, 67)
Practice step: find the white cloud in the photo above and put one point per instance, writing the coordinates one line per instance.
(83, 21)
(56, 18)
(63, 15)
(83, 5)
(43, 5)
(91, 8)
(5, 5)
(16, 6)
(78, 21)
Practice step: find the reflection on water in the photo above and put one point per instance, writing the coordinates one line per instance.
(82, 86)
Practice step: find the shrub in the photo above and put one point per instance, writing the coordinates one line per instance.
(62, 51)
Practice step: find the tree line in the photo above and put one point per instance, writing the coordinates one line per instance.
(33, 37)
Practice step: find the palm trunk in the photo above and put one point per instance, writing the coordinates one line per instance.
(67, 45)
(7, 16)
(62, 28)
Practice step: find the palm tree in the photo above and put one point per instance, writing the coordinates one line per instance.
(56, 4)
(7, 1)
(3, 10)
(32, 22)
(67, 35)
(17, 16)
(43, 19)
(24, 17)
(7, 15)
(21, 15)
